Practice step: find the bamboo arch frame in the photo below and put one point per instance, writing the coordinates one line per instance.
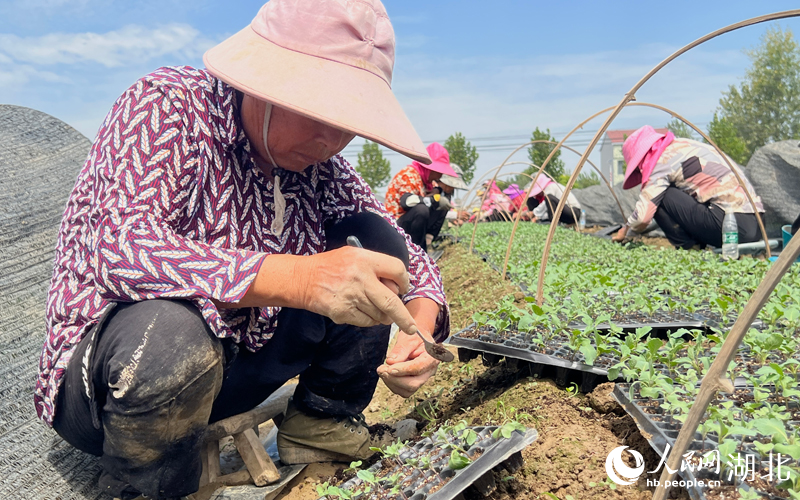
(519, 212)
(628, 97)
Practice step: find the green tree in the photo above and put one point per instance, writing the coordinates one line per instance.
(766, 106)
(724, 135)
(372, 166)
(537, 154)
(680, 129)
(463, 154)
(585, 180)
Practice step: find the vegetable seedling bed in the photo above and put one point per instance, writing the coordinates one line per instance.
(426, 469)
(661, 431)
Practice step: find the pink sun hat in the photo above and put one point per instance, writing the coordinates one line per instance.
(634, 150)
(541, 182)
(328, 60)
(440, 160)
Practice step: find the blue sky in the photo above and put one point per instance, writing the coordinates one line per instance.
(491, 70)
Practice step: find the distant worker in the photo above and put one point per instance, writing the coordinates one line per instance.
(686, 187)
(544, 199)
(413, 198)
(497, 206)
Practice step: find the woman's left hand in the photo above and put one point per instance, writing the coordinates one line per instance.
(408, 365)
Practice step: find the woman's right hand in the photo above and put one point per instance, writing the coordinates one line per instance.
(620, 235)
(349, 285)
(355, 286)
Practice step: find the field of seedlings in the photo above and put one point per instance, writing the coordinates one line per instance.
(653, 320)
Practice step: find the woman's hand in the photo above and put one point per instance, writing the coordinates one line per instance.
(620, 235)
(408, 365)
(357, 287)
(349, 285)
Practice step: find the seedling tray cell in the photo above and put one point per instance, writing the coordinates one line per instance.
(492, 453)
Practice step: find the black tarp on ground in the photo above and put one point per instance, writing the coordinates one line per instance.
(774, 171)
(40, 157)
(600, 207)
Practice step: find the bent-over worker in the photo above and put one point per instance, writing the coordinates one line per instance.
(686, 187)
(201, 261)
(415, 200)
(545, 197)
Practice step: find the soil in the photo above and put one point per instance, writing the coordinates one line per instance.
(576, 432)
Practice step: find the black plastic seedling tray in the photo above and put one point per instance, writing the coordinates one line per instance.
(659, 435)
(561, 370)
(661, 430)
(492, 454)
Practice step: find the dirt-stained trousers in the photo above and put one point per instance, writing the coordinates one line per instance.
(143, 384)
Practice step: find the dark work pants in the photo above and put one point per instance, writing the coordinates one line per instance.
(567, 215)
(159, 376)
(420, 220)
(687, 222)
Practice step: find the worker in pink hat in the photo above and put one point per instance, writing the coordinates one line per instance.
(686, 188)
(413, 197)
(202, 258)
(545, 197)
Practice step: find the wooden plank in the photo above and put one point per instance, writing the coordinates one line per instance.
(272, 407)
(255, 458)
(210, 463)
(237, 478)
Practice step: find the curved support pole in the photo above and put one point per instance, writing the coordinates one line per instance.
(630, 96)
(494, 178)
(544, 164)
(716, 378)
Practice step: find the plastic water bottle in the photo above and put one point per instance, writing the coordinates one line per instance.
(730, 236)
(582, 222)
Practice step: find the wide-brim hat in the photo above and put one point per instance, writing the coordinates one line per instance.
(634, 149)
(457, 181)
(328, 60)
(440, 160)
(513, 191)
(541, 182)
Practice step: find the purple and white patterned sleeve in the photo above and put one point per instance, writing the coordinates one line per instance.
(149, 171)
